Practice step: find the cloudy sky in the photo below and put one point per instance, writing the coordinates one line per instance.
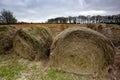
(41, 10)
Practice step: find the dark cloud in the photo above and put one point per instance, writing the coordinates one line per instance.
(41, 10)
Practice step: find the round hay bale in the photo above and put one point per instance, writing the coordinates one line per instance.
(7, 34)
(81, 51)
(33, 43)
(113, 33)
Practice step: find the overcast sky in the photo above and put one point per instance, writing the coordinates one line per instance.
(41, 10)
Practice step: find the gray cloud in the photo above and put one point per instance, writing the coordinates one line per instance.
(108, 5)
(41, 10)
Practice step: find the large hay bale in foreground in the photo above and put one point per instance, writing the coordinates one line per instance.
(33, 43)
(7, 34)
(81, 51)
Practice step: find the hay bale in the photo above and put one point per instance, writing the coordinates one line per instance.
(7, 34)
(33, 43)
(113, 33)
(81, 51)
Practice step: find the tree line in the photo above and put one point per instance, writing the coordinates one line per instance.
(7, 17)
(111, 19)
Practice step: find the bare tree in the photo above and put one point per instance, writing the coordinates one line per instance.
(7, 17)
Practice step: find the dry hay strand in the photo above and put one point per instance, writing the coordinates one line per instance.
(33, 43)
(82, 51)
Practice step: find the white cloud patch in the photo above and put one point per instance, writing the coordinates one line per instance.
(93, 12)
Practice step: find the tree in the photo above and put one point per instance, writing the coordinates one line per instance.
(7, 17)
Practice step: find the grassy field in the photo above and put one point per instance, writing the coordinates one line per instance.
(55, 28)
(12, 67)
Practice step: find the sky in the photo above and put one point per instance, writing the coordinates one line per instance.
(41, 10)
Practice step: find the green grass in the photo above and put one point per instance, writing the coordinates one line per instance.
(53, 75)
(11, 70)
(42, 78)
(34, 67)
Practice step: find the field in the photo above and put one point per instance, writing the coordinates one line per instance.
(55, 28)
(13, 67)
